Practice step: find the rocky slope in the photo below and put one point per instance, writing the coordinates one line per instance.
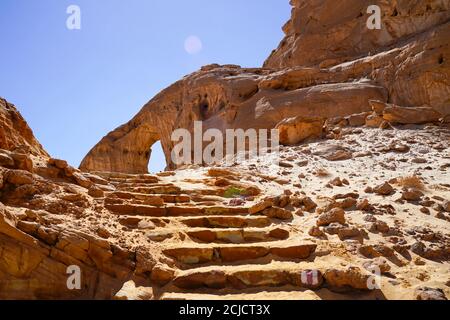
(313, 226)
(362, 185)
(15, 134)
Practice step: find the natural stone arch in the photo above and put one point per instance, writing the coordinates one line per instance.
(226, 97)
(127, 150)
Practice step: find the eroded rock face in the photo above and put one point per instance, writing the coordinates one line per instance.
(15, 134)
(224, 97)
(326, 33)
(408, 55)
(160, 237)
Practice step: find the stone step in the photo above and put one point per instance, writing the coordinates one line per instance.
(171, 211)
(136, 210)
(167, 198)
(227, 222)
(159, 189)
(123, 176)
(283, 293)
(139, 181)
(127, 185)
(119, 197)
(179, 211)
(198, 254)
(278, 274)
(201, 198)
(238, 235)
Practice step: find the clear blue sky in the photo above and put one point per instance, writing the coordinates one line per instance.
(74, 86)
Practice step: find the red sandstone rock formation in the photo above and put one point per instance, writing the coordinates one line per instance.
(15, 133)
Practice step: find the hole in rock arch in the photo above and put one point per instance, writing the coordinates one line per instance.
(157, 161)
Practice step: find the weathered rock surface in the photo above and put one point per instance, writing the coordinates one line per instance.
(408, 55)
(298, 129)
(15, 134)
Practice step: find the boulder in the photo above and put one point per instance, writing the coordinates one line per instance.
(412, 115)
(19, 177)
(278, 213)
(412, 194)
(130, 291)
(295, 130)
(426, 293)
(384, 189)
(5, 159)
(358, 120)
(348, 279)
(260, 206)
(334, 215)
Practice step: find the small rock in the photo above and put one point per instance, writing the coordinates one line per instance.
(446, 205)
(130, 292)
(334, 215)
(426, 293)
(336, 182)
(159, 236)
(19, 177)
(364, 205)
(380, 264)
(385, 189)
(418, 248)
(419, 262)
(60, 164)
(6, 160)
(412, 194)
(236, 202)
(419, 160)
(308, 204)
(348, 233)
(102, 232)
(285, 164)
(82, 181)
(368, 190)
(302, 163)
(278, 213)
(260, 206)
(333, 228)
(316, 232)
(379, 226)
(96, 192)
(370, 218)
(375, 251)
(162, 274)
(374, 121)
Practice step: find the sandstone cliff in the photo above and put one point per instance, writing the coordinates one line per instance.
(15, 132)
